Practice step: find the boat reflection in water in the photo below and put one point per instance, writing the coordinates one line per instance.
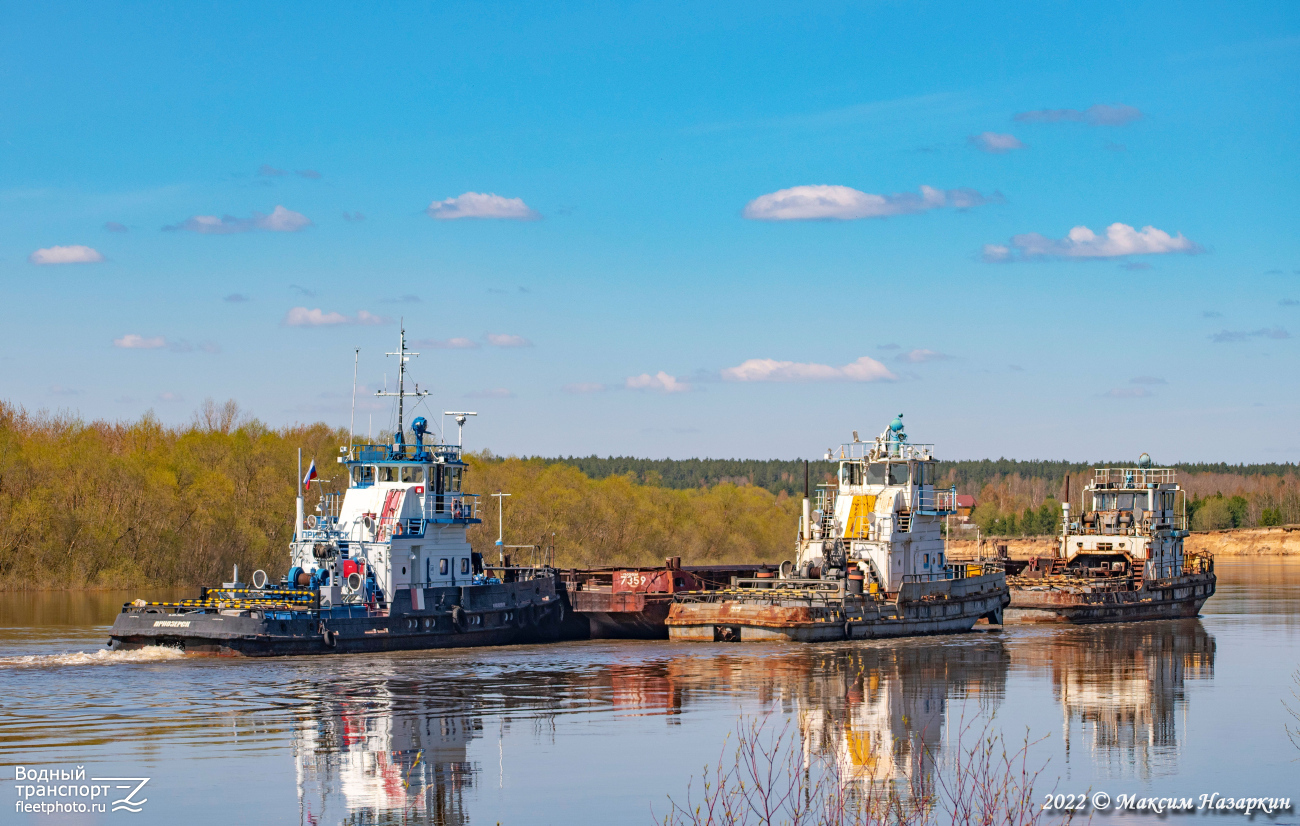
(1123, 688)
(883, 714)
(374, 762)
(396, 748)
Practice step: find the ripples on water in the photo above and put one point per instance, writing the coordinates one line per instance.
(598, 732)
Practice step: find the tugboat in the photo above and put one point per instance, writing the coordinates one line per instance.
(1122, 560)
(869, 562)
(384, 566)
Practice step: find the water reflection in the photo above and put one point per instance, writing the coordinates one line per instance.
(1122, 687)
(396, 749)
(374, 762)
(413, 737)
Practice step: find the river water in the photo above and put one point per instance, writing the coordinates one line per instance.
(605, 731)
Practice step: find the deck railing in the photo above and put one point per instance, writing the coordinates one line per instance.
(1133, 477)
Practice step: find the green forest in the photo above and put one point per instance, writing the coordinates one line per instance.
(1015, 497)
(142, 503)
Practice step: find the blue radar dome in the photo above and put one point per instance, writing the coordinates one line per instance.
(897, 424)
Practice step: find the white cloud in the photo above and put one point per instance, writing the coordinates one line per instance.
(660, 381)
(995, 142)
(494, 393)
(505, 340)
(481, 205)
(864, 369)
(922, 356)
(448, 344)
(1120, 239)
(303, 317)
(584, 387)
(132, 341)
(841, 203)
(1233, 336)
(280, 220)
(170, 397)
(1098, 115)
(73, 254)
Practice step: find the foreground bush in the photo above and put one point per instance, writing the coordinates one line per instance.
(780, 778)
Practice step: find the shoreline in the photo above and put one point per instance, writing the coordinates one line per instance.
(1282, 542)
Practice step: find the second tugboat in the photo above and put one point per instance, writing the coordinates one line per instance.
(385, 566)
(870, 562)
(1122, 560)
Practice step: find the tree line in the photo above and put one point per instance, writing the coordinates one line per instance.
(132, 504)
(141, 503)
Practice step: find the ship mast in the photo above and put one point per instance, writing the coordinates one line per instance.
(403, 356)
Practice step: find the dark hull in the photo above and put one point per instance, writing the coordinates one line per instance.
(1173, 598)
(506, 614)
(922, 609)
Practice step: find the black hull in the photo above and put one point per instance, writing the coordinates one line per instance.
(506, 614)
(1173, 598)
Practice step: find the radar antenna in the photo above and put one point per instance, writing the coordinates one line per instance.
(460, 424)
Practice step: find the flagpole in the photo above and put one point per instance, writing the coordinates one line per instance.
(297, 527)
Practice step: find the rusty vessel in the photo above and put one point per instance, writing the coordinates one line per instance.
(1121, 560)
(869, 562)
(633, 602)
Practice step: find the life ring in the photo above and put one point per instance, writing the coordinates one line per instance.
(459, 620)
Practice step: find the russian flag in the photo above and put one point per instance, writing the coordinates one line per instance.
(311, 474)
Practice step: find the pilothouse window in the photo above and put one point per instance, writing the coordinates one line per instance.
(898, 474)
(388, 474)
(452, 475)
(412, 474)
(851, 474)
(876, 474)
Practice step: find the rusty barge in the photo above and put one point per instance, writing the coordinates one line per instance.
(1122, 560)
(869, 562)
(633, 602)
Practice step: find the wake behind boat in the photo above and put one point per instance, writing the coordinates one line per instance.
(384, 566)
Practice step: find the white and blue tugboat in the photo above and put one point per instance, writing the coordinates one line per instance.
(869, 562)
(384, 566)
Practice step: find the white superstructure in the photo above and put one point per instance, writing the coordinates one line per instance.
(883, 516)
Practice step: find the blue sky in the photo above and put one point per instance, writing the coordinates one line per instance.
(666, 230)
